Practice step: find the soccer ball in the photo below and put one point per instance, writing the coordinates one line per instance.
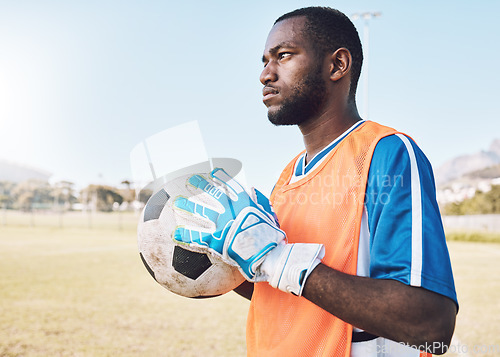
(177, 267)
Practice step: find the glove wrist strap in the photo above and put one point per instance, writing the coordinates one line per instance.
(295, 264)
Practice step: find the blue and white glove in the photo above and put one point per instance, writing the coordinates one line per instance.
(244, 232)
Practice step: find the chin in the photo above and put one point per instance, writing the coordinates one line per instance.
(283, 117)
(280, 121)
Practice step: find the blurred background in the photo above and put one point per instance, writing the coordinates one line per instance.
(83, 82)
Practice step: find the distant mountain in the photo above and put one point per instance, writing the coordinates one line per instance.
(11, 171)
(464, 164)
(491, 172)
(495, 147)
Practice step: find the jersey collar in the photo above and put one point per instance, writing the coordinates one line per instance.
(301, 169)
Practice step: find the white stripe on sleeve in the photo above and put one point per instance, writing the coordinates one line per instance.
(416, 216)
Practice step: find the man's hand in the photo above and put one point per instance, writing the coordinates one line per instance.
(244, 232)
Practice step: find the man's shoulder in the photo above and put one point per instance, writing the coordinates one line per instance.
(398, 148)
(398, 156)
(392, 142)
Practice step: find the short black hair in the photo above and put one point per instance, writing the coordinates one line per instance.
(329, 29)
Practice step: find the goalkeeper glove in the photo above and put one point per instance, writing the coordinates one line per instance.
(244, 232)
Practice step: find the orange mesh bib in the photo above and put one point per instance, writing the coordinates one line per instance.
(324, 207)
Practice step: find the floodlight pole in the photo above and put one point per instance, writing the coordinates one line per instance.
(366, 16)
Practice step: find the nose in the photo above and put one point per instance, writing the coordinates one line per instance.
(268, 74)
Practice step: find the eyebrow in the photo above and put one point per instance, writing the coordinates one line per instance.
(275, 49)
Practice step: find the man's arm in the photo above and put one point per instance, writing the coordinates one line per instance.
(386, 308)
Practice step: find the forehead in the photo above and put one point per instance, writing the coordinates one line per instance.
(287, 32)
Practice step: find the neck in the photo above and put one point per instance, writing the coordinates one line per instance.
(328, 126)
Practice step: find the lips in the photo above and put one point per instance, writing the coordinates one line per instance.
(268, 93)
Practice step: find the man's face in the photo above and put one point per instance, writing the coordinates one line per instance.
(294, 86)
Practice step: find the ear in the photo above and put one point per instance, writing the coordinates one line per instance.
(340, 64)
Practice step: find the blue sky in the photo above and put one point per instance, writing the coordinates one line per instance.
(83, 82)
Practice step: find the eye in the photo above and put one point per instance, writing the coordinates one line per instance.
(283, 55)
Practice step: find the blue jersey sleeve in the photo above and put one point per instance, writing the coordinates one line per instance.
(407, 241)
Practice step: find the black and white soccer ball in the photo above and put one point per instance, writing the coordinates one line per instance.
(175, 266)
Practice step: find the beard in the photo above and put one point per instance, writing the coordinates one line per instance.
(305, 101)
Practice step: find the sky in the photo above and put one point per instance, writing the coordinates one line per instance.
(83, 82)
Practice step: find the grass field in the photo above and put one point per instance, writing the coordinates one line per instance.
(81, 290)
(85, 292)
(476, 269)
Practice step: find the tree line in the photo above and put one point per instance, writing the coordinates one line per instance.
(481, 203)
(41, 195)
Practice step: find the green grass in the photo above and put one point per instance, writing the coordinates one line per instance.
(472, 236)
(476, 268)
(82, 290)
(84, 220)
